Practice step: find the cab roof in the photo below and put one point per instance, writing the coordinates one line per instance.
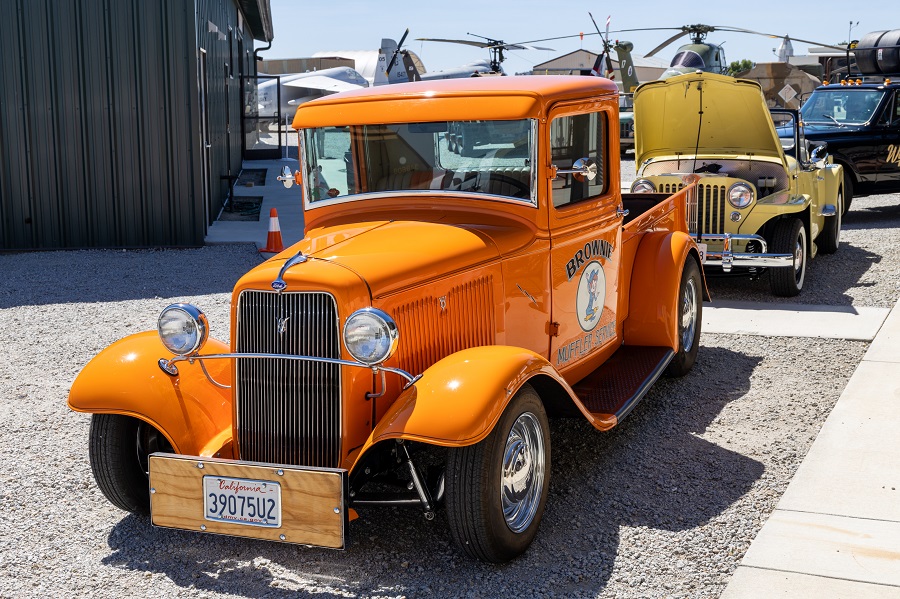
(471, 98)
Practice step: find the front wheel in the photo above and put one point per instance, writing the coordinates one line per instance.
(497, 488)
(829, 239)
(690, 316)
(120, 448)
(789, 238)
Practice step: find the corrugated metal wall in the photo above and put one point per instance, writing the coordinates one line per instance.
(100, 121)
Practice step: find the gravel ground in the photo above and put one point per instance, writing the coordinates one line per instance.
(664, 505)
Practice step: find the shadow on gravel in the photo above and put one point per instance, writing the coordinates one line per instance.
(652, 471)
(42, 278)
(875, 217)
(828, 278)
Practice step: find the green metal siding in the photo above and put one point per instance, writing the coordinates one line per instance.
(100, 121)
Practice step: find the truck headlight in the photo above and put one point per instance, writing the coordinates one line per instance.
(740, 195)
(643, 186)
(183, 328)
(370, 336)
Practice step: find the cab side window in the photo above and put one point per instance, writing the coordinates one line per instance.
(571, 138)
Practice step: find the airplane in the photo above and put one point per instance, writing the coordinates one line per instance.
(297, 88)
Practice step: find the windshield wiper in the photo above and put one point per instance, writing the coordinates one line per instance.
(836, 122)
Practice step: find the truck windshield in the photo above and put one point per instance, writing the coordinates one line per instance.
(841, 106)
(492, 158)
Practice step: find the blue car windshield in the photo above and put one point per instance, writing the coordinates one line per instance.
(841, 106)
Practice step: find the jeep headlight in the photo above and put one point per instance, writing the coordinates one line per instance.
(370, 336)
(183, 328)
(740, 195)
(643, 186)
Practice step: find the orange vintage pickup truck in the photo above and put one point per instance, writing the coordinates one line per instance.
(409, 350)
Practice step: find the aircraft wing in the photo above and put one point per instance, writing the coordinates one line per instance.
(323, 83)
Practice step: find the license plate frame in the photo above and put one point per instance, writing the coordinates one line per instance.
(313, 501)
(240, 500)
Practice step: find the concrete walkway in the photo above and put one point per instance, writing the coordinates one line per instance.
(286, 201)
(792, 320)
(836, 531)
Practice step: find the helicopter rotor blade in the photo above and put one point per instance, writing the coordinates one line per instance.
(776, 36)
(475, 43)
(666, 43)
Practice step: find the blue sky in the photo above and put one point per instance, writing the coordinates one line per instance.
(302, 28)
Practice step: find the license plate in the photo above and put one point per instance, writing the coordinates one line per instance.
(702, 248)
(275, 502)
(242, 501)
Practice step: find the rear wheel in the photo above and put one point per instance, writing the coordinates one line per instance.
(848, 190)
(497, 488)
(830, 237)
(120, 448)
(789, 238)
(690, 310)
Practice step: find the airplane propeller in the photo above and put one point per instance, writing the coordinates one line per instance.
(397, 52)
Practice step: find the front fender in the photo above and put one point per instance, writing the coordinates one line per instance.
(655, 283)
(125, 378)
(459, 399)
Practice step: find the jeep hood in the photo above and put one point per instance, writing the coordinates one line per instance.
(703, 112)
(391, 255)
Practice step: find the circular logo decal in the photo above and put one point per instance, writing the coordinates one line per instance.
(591, 296)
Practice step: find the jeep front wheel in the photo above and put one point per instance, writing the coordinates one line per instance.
(497, 488)
(789, 238)
(830, 238)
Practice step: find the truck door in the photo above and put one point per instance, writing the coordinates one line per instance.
(889, 144)
(585, 238)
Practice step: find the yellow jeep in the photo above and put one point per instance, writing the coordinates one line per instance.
(763, 199)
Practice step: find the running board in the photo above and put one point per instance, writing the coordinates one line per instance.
(615, 388)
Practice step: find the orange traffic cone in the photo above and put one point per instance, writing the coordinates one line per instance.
(273, 242)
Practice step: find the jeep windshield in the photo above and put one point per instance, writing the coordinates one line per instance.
(490, 158)
(840, 106)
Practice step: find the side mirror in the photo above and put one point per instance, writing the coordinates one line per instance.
(583, 168)
(818, 155)
(286, 177)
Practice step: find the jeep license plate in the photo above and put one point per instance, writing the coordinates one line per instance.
(242, 501)
(702, 248)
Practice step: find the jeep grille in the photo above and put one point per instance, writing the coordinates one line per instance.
(709, 208)
(288, 411)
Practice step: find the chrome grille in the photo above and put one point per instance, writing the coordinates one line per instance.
(429, 332)
(707, 206)
(711, 213)
(288, 411)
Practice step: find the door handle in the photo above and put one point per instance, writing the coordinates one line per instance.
(621, 212)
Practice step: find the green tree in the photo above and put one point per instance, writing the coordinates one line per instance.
(739, 66)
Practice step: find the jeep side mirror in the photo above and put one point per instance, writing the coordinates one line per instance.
(818, 155)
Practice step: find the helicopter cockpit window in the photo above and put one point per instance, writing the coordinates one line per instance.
(688, 59)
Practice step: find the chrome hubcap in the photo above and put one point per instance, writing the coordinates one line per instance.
(688, 315)
(522, 477)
